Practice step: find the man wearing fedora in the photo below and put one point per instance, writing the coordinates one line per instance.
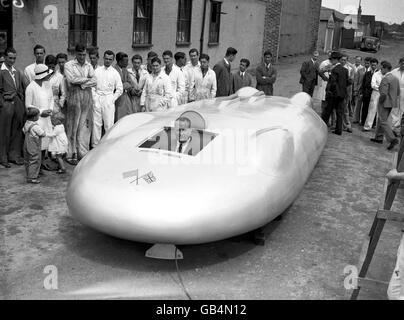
(336, 91)
(12, 111)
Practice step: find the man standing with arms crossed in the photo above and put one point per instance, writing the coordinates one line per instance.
(109, 88)
(80, 79)
(266, 75)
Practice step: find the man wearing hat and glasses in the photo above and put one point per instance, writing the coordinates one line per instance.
(39, 95)
(336, 91)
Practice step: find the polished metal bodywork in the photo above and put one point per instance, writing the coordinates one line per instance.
(264, 151)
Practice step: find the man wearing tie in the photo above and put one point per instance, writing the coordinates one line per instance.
(266, 75)
(242, 78)
(12, 111)
(309, 74)
(223, 73)
(183, 134)
(138, 76)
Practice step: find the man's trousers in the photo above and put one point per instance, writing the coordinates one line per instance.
(12, 118)
(374, 102)
(383, 125)
(358, 108)
(104, 112)
(336, 104)
(79, 120)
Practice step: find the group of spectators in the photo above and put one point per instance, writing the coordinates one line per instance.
(58, 109)
(364, 92)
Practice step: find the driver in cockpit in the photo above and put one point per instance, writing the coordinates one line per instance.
(185, 142)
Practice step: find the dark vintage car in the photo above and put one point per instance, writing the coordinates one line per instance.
(370, 44)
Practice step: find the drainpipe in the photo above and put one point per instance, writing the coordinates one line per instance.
(203, 26)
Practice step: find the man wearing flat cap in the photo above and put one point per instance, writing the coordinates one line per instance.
(336, 91)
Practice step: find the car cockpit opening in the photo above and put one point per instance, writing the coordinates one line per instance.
(182, 141)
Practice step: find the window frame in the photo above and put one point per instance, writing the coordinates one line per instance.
(187, 41)
(150, 26)
(71, 12)
(217, 25)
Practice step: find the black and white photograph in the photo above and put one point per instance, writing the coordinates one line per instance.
(224, 151)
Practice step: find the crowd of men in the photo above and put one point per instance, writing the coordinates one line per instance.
(90, 98)
(364, 92)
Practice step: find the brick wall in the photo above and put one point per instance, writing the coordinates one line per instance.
(273, 14)
(315, 9)
(241, 27)
(291, 26)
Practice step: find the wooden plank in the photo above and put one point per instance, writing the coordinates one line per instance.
(390, 215)
(364, 250)
(372, 284)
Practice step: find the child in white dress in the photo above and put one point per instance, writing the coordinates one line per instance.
(58, 143)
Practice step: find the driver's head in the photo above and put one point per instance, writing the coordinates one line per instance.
(183, 129)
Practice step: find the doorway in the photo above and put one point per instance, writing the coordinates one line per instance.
(6, 25)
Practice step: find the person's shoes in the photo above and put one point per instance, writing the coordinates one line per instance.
(17, 162)
(45, 167)
(365, 130)
(349, 130)
(73, 162)
(393, 144)
(5, 165)
(337, 133)
(33, 181)
(376, 140)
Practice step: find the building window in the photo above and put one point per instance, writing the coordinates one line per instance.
(83, 23)
(142, 26)
(184, 22)
(215, 14)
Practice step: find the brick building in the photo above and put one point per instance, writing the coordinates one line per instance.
(138, 26)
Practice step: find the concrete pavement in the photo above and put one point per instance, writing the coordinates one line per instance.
(304, 257)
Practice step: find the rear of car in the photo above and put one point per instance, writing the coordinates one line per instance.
(370, 44)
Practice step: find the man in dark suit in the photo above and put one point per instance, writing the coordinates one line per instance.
(12, 111)
(185, 143)
(242, 78)
(366, 89)
(336, 91)
(360, 72)
(389, 99)
(223, 73)
(266, 75)
(309, 74)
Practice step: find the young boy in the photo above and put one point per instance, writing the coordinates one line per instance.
(32, 145)
(58, 143)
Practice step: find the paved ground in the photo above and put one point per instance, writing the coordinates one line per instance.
(304, 257)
